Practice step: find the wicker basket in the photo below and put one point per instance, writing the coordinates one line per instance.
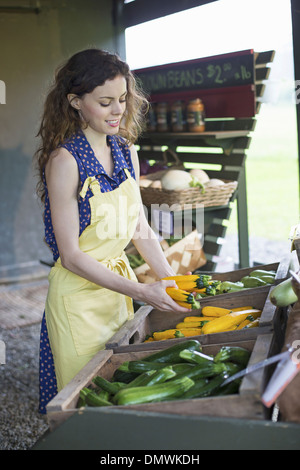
(212, 196)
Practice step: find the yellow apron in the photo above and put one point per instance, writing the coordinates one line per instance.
(82, 316)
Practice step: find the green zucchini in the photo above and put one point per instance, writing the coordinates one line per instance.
(182, 367)
(229, 286)
(262, 272)
(171, 354)
(252, 281)
(203, 371)
(234, 354)
(81, 400)
(123, 374)
(141, 379)
(200, 390)
(195, 357)
(268, 279)
(110, 387)
(143, 366)
(229, 389)
(104, 395)
(92, 399)
(153, 393)
(160, 376)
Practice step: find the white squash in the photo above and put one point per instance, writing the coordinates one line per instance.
(214, 182)
(176, 180)
(201, 175)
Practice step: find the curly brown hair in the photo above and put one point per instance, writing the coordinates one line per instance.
(79, 75)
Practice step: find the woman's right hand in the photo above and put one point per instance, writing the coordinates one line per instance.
(155, 294)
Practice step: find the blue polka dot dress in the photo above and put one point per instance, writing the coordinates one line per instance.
(88, 165)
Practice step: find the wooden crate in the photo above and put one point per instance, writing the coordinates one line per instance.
(246, 404)
(147, 319)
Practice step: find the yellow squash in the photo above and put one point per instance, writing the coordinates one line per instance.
(166, 334)
(197, 319)
(175, 333)
(211, 311)
(253, 324)
(194, 324)
(182, 278)
(225, 322)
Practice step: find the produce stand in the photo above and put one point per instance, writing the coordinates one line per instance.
(232, 422)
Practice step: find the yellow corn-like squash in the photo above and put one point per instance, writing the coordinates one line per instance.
(194, 324)
(149, 340)
(175, 333)
(182, 278)
(243, 324)
(191, 331)
(228, 321)
(189, 286)
(232, 328)
(238, 309)
(197, 319)
(166, 334)
(253, 324)
(211, 311)
(179, 294)
(184, 304)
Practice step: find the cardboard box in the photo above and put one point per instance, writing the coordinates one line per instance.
(183, 256)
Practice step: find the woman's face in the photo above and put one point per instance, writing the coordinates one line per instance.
(104, 107)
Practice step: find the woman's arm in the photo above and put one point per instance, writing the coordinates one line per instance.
(62, 182)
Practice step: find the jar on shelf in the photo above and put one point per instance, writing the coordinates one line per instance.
(151, 118)
(196, 115)
(162, 110)
(178, 121)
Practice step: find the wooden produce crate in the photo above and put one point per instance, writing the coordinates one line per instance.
(281, 268)
(147, 320)
(245, 404)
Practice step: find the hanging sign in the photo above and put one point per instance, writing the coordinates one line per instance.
(229, 76)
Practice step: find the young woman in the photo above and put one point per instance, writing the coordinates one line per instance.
(88, 183)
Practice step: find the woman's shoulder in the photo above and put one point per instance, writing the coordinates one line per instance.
(61, 159)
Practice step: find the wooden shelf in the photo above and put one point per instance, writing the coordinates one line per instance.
(197, 135)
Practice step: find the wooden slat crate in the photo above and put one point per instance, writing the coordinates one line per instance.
(147, 320)
(245, 404)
